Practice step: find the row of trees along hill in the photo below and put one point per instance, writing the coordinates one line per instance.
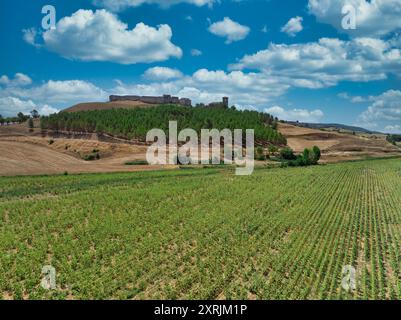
(19, 118)
(135, 123)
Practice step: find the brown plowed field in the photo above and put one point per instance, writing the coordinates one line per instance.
(31, 158)
(21, 153)
(336, 146)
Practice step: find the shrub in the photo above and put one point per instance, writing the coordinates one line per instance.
(307, 158)
(287, 154)
(260, 154)
(91, 157)
(273, 149)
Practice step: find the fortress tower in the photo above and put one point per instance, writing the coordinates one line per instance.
(225, 102)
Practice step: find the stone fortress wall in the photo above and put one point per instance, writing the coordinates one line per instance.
(168, 99)
(165, 99)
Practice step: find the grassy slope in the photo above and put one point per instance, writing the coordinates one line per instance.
(282, 233)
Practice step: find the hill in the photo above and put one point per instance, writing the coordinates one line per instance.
(333, 126)
(135, 123)
(336, 146)
(37, 151)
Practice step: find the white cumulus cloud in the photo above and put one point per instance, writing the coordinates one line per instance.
(101, 36)
(208, 86)
(293, 26)
(302, 115)
(30, 36)
(229, 29)
(19, 79)
(196, 53)
(11, 106)
(326, 62)
(385, 107)
(48, 97)
(392, 128)
(373, 17)
(162, 73)
(64, 92)
(119, 5)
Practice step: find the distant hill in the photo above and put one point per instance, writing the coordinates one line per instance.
(335, 126)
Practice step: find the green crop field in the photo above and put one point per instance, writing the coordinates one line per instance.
(205, 233)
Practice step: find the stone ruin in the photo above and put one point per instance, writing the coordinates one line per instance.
(168, 99)
(165, 99)
(222, 104)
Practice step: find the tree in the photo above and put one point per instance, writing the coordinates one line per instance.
(307, 157)
(21, 117)
(30, 124)
(316, 154)
(35, 114)
(260, 154)
(287, 154)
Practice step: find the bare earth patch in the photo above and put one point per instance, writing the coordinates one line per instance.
(33, 156)
(336, 146)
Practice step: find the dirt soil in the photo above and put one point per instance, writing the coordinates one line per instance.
(21, 153)
(337, 146)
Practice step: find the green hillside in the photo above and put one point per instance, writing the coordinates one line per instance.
(135, 123)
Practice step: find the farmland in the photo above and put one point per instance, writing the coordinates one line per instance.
(205, 233)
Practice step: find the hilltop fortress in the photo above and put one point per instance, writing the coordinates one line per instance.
(165, 99)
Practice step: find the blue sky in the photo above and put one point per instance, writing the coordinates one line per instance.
(291, 58)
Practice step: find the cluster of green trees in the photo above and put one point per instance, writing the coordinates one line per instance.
(19, 118)
(135, 123)
(394, 138)
(307, 158)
